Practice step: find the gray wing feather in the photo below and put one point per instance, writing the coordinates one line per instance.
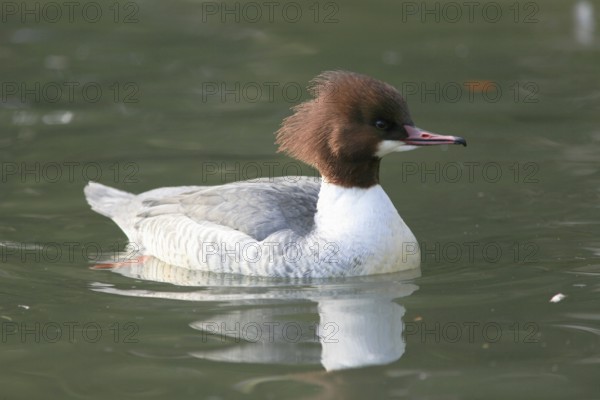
(257, 208)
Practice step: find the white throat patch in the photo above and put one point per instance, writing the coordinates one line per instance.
(390, 146)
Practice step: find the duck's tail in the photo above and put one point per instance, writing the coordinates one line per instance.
(120, 206)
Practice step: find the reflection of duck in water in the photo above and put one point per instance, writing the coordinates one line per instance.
(344, 225)
(355, 321)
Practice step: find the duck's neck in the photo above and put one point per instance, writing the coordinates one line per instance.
(350, 173)
(343, 211)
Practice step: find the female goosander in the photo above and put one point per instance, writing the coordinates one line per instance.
(341, 225)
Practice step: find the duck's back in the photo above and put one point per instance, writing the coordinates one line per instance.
(257, 208)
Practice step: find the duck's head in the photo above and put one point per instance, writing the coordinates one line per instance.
(352, 121)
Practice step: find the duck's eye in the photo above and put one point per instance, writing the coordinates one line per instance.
(381, 124)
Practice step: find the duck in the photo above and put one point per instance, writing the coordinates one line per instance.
(336, 225)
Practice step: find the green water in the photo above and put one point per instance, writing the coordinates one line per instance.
(152, 94)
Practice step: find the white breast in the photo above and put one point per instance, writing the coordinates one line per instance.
(366, 226)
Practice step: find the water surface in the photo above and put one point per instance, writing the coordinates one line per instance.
(504, 225)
